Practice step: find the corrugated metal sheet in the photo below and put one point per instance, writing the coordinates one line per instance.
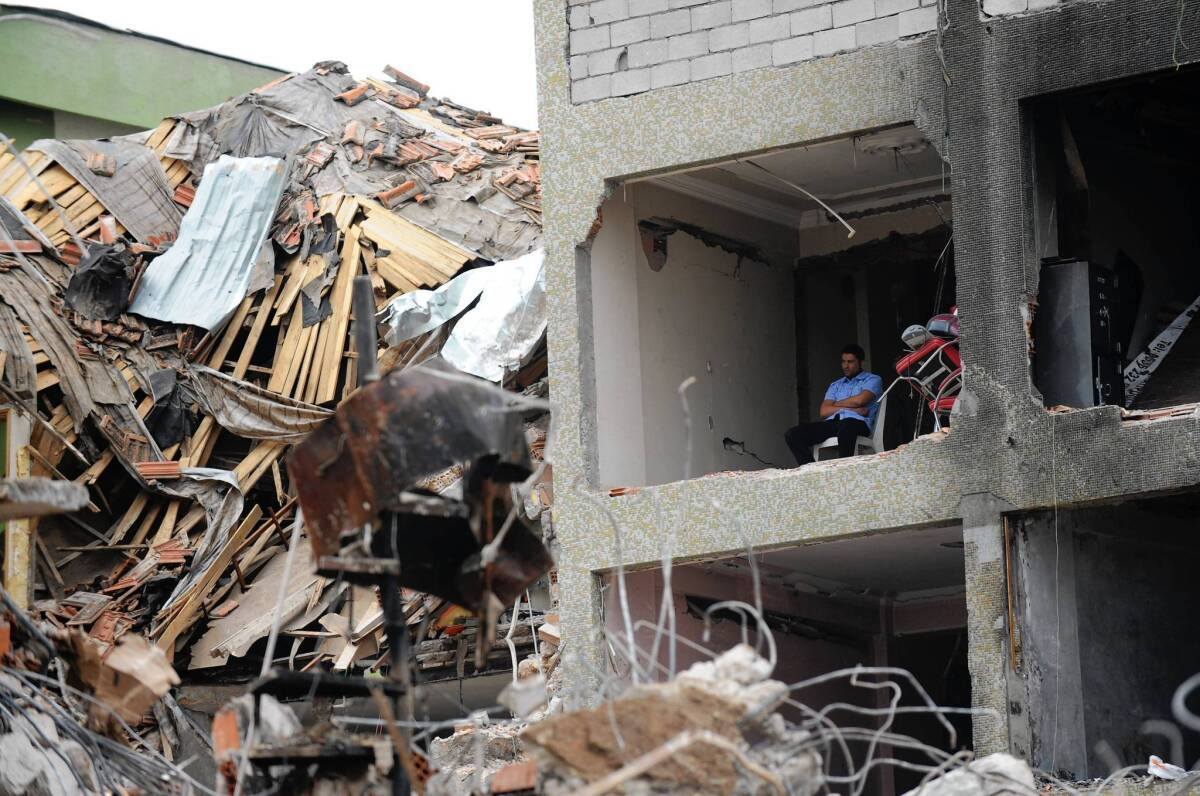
(202, 278)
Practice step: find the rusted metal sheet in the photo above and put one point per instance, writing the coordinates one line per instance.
(442, 556)
(388, 435)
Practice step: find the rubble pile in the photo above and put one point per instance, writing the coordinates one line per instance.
(177, 315)
(713, 729)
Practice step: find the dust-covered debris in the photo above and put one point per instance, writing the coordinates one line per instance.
(707, 712)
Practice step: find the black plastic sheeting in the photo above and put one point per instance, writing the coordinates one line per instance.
(100, 285)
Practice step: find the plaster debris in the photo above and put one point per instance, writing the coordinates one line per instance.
(1160, 769)
(457, 757)
(988, 776)
(703, 715)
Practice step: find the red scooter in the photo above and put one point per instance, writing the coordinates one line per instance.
(933, 366)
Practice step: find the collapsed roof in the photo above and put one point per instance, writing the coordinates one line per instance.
(179, 303)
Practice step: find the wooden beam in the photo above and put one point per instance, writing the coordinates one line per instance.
(331, 359)
(18, 547)
(256, 330)
(196, 594)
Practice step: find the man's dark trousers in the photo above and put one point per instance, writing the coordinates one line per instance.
(801, 438)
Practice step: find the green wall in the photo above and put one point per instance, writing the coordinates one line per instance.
(25, 123)
(92, 71)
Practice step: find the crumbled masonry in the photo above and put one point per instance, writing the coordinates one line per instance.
(708, 699)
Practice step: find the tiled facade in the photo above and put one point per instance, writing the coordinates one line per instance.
(962, 84)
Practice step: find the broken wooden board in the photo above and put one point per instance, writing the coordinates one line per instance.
(233, 635)
(36, 497)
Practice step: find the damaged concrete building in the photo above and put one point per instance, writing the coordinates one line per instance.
(289, 514)
(736, 188)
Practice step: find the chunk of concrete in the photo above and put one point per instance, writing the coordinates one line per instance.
(988, 776)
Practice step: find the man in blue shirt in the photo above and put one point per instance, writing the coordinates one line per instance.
(848, 411)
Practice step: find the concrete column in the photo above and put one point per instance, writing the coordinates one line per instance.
(1050, 651)
(584, 662)
(987, 601)
(885, 775)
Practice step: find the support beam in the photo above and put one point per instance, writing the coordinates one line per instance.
(987, 611)
(21, 498)
(18, 547)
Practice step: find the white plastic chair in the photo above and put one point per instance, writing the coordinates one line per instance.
(871, 444)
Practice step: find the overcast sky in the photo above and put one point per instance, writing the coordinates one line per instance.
(476, 52)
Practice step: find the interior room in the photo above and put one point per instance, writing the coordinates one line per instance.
(744, 276)
(1105, 602)
(1115, 231)
(894, 599)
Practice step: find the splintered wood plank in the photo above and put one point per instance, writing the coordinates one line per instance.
(89, 215)
(292, 271)
(117, 534)
(302, 368)
(90, 475)
(331, 359)
(148, 522)
(416, 271)
(193, 518)
(17, 177)
(91, 230)
(305, 375)
(185, 615)
(47, 378)
(331, 203)
(291, 350)
(297, 279)
(414, 239)
(201, 444)
(346, 212)
(167, 528)
(351, 382)
(158, 139)
(68, 198)
(75, 213)
(277, 475)
(53, 181)
(60, 418)
(257, 463)
(177, 173)
(231, 332)
(256, 330)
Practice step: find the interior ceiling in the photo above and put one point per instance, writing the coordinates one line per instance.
(891, 563)
(846, 173)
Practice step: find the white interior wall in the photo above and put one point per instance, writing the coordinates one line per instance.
(729, 324)
(619, 435)
(732, 327)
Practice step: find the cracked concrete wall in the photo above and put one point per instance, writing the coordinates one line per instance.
(1004, 443)
(1095, 661)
